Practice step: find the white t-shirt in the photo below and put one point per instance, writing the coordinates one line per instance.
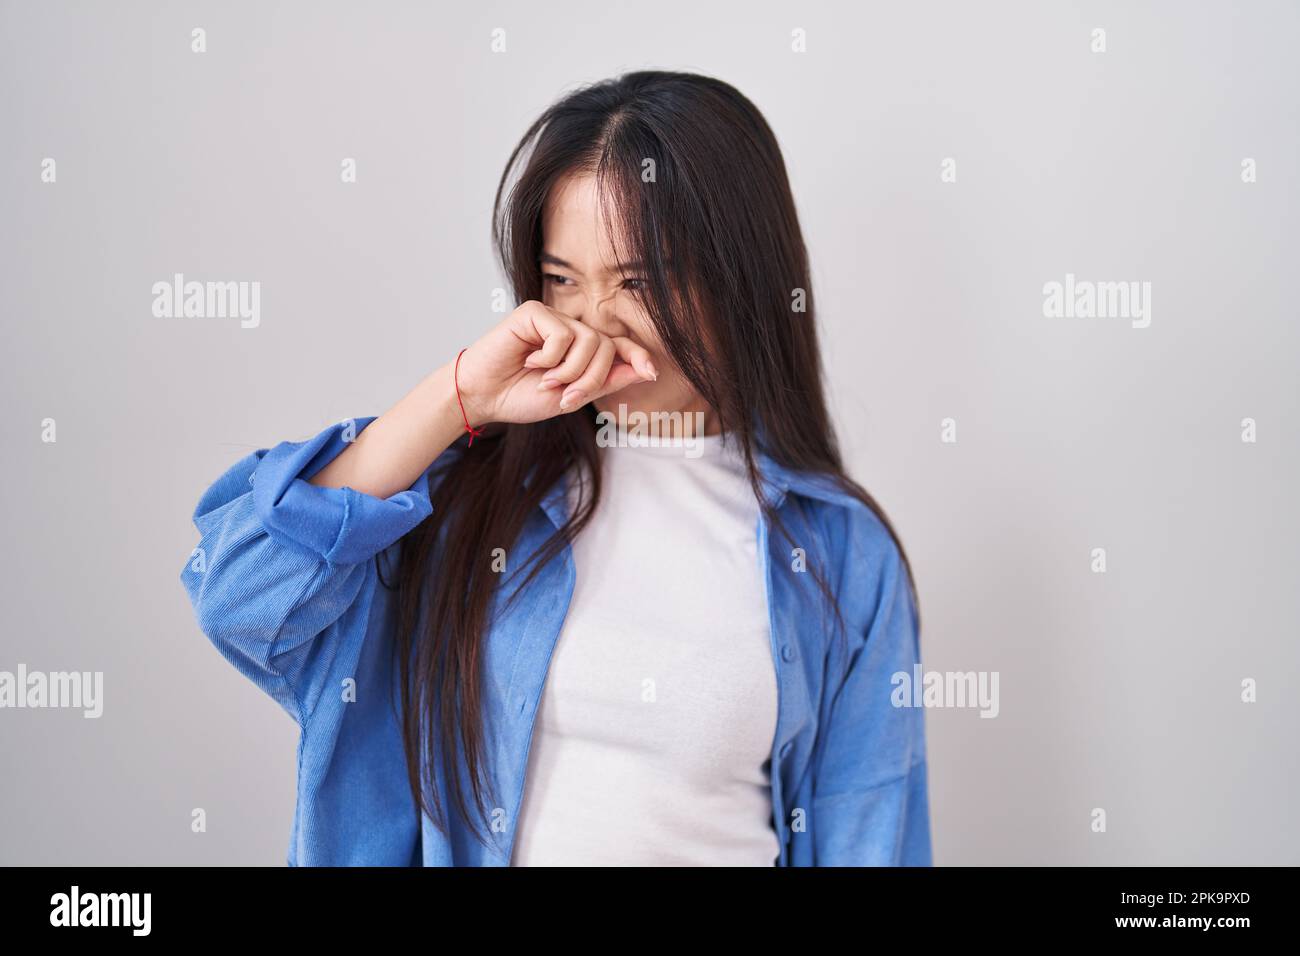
(653, 737)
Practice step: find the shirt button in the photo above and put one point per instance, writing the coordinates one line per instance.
(787, 653)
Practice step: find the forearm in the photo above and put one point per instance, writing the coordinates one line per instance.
(396, 448)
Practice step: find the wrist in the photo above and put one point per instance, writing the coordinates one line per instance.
(470, 407)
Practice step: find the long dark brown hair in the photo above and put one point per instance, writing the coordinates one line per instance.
(715, 216)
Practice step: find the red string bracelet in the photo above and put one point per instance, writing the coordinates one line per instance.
(473, 432)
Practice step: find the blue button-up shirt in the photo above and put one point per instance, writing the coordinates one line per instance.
(284, 584)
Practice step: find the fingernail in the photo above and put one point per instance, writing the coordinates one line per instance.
(546, 383)
(650, 367)
(572, 397)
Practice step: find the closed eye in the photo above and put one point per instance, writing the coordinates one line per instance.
(554, 278)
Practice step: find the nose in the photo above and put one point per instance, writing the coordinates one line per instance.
(600, 312)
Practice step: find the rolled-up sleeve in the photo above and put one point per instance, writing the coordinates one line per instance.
(340, 525)
(283, 571)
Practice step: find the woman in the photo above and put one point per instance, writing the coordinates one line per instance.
(534, 614)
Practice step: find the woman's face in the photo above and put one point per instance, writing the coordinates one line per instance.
(581, 279)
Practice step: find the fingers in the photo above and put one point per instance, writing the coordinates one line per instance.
(592, 378)
(635, 356)
(554, 332)
(621, 375)
(583, 348)
(584, 363)
(632, 364)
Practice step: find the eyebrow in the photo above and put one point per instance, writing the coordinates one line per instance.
(547, 259)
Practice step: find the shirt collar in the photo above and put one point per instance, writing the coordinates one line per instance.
(779, 480)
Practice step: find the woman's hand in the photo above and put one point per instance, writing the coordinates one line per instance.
(539, 363)
(536, 364)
